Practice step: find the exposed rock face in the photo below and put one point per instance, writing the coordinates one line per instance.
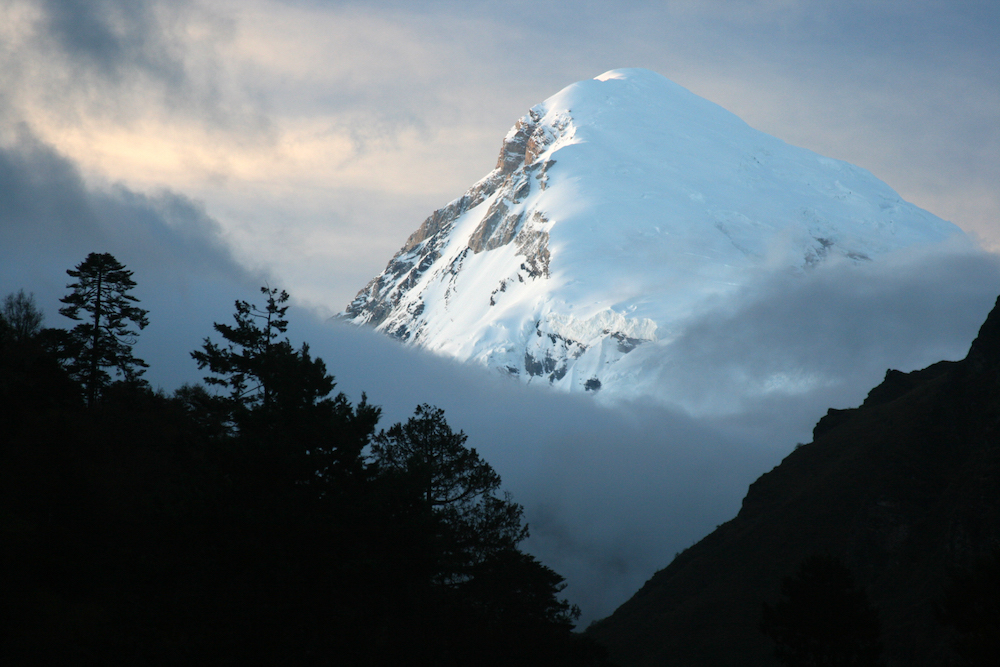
(902, 489)
(507, 185)
(377, 299)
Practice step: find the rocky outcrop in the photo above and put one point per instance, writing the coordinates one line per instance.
(533, 245)
(511, 181)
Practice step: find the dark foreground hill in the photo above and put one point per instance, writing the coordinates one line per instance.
(903, 490)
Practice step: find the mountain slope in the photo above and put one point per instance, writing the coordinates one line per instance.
(617, 209)
(901, 489)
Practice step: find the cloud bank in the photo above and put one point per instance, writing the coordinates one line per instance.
(50, 220)
(611, 492)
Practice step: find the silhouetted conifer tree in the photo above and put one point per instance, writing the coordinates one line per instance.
(483, 601)
(280, 396)
(454, 484)
(248, 361)
(162, 535)
(105, 336)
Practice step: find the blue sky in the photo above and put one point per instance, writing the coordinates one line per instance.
(212, 146)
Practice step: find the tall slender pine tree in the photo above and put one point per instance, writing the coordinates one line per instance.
(105, 336)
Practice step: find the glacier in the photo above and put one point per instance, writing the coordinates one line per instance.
(619, 209)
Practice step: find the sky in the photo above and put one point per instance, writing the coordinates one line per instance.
(216, 146)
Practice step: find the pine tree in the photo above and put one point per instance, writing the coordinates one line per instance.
(280, 395)
(247, 362)
(456, 486)
(466, 593)
(105, 336)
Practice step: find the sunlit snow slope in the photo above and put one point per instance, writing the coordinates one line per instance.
(617, 208)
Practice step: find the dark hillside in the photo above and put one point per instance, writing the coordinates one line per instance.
(904, 490)
(270, 523)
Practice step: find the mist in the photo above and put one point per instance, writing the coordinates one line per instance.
(611, 490)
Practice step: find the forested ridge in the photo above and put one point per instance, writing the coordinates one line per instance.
(261, 519)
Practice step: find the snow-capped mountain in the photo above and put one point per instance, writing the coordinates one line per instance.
(616, 209)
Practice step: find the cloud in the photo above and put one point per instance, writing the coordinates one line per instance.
(113, 38)
(612, 492)
(831, 330)
(50, 220)
(85, 73)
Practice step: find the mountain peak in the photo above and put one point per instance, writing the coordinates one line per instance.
(617, 207)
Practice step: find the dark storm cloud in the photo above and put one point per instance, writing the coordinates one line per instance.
(45, 204)
(50, 220)
(40, 196)
(113, 37)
